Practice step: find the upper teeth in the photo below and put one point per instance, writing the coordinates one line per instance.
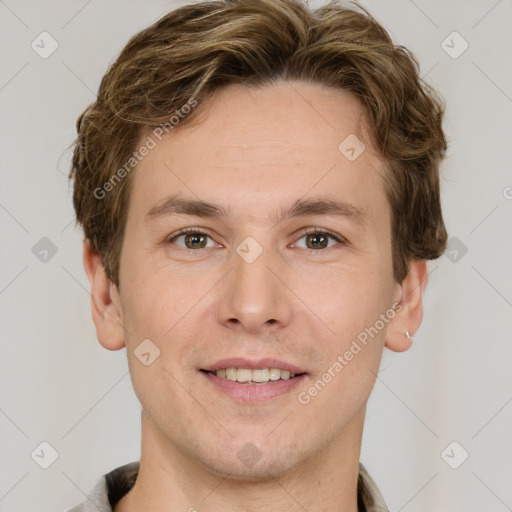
(259, 375)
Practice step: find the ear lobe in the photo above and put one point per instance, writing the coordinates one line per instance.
(408, 319)
(105, 303)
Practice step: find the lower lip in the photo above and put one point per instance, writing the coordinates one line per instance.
(254, 393)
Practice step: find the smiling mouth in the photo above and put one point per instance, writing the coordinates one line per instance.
(256, 376)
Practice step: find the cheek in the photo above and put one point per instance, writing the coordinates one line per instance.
(346, 298)
(152, 300)
(350, 305)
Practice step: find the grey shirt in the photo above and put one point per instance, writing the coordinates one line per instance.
(112, 486)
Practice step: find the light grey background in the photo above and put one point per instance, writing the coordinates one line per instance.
(60, 386)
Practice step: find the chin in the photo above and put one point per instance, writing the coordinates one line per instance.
(251, 464)
(260, 472)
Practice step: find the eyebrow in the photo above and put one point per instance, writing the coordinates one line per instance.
(320, 205)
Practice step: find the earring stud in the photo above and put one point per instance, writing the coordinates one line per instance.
(407, 334)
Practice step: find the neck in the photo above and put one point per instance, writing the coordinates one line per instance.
(170, 479)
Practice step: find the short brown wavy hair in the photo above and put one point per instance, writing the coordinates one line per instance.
(196, 49)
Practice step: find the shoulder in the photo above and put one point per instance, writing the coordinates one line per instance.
(369, 496)
(109, 489)
(96, 500)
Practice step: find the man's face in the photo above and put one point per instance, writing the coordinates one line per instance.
(253, 284)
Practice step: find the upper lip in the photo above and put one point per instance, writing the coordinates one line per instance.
(253, 364)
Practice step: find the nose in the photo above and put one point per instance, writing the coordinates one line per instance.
(254, 296)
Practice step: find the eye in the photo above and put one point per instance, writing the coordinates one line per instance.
(319, 239)
(192, 239)
(315, 239)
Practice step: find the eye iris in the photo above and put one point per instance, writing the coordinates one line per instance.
(317, 236)
(314, 240)
(190, 238)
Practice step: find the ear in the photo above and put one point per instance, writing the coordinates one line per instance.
(409, 316)
(105, 301)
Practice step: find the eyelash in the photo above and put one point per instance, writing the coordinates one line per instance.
(311, 231)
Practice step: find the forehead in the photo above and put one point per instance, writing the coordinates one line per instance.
(258, 148)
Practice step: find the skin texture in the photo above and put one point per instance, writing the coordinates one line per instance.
(253, 152)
